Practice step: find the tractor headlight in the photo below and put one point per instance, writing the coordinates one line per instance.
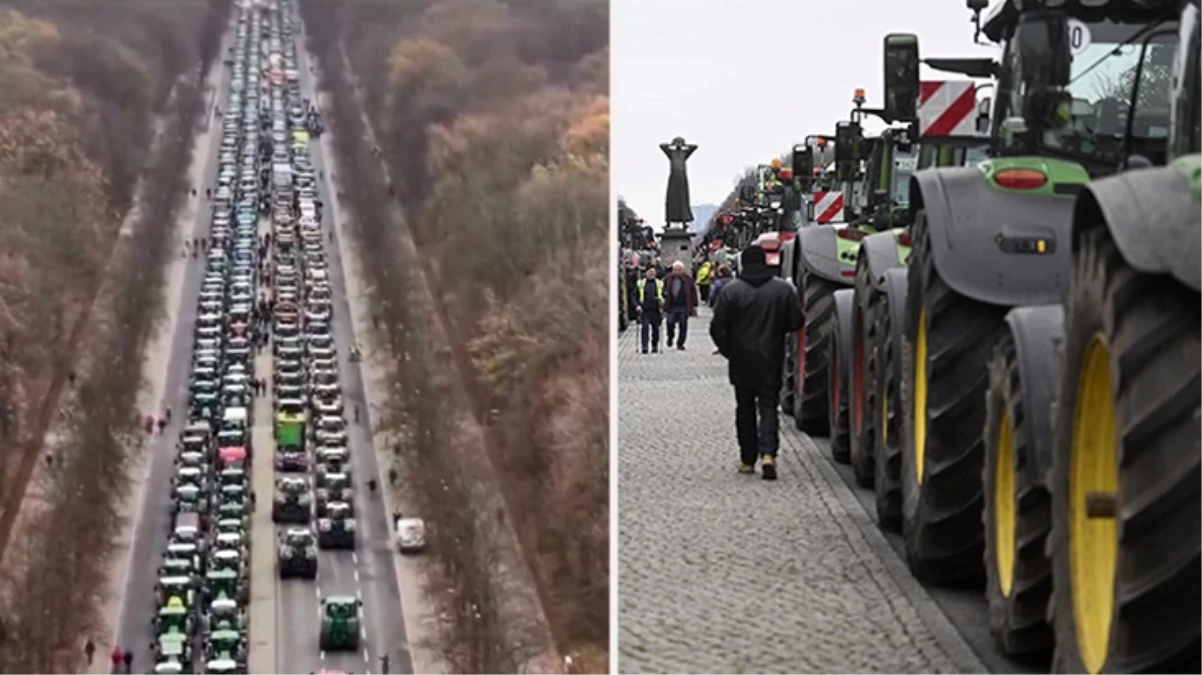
(348, 524)
(323, 524)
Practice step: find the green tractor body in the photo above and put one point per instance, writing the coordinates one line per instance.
(822, 260)
(1007, 392)
(339, 623)
(337, 529)
(1109, 372)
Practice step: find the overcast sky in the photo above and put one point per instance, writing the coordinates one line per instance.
(745, 79)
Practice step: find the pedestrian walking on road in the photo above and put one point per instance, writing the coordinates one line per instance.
(128, 659)
(725, 276)
(680, 302)
(384, 663)
(705, 277)
(89, 650)
(650, 308)
(752, 317)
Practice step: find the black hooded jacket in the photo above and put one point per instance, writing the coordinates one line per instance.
(751, 318)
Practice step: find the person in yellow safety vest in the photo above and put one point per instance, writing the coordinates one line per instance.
(651, 309)
(705, 277)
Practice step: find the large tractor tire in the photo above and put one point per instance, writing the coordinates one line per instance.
(838, 356)
(1017, 514)
(863, 386)
(809, 404)
(947, 347)
(788, 376)
(889, 427)
(1125, 470)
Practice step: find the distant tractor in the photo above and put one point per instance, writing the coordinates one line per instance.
(340, 623)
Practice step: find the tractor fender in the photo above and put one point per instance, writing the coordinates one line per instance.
(788, 262)
(967, 220)
(895, 287)
(818, 253)
(879, 253)
(1037, 331)
(845, 304)
(1153, 217)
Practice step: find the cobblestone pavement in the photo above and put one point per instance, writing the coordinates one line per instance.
(721, 572)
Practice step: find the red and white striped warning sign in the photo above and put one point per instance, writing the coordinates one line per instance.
(828, 206)
(947, 109)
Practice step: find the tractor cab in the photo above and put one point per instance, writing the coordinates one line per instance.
(224, 614)
(174, 616)
(176, 586)
(226, 645)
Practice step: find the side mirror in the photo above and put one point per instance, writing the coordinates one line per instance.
(1044, 48)
(847, 151)
(982, 123)
(803, 162)
(810, 211)
(901, 77)
(747, 193)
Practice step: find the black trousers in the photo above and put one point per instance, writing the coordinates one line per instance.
(757, 422)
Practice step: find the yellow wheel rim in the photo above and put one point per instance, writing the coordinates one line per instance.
(920, 397)
(1093, 542)
(1003, 506)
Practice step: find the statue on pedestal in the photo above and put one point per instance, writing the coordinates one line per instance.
(677, 205)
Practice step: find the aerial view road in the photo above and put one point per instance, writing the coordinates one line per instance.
(280, 624)
(234, 439)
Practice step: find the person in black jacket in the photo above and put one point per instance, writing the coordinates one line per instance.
(751, 318)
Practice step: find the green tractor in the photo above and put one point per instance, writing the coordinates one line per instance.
(818, 262)
(892, 158)
(340, 623)
(227, 582)
(173, 617)
(172, 647)
(225, 613)
(226, 644)
(868, 328)
(336, 530)
(1079, 96)
(1091, 454)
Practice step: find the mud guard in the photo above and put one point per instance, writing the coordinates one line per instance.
(1037, 331)
(1154, 220)
(879, 253)
(788, 261)
(969, 222)
(845, 302)
(818, 253)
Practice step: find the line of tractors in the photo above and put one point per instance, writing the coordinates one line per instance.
(1002, 335)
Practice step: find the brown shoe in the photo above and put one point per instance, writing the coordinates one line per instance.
(768, 467)
(746, 468)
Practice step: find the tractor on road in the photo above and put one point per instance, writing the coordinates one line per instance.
(1051, 450)
(1091, 455)
(340, 623)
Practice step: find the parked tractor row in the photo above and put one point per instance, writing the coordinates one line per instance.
(1002, 323)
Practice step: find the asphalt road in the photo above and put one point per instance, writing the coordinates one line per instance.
(152, 520)
(367, 572)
